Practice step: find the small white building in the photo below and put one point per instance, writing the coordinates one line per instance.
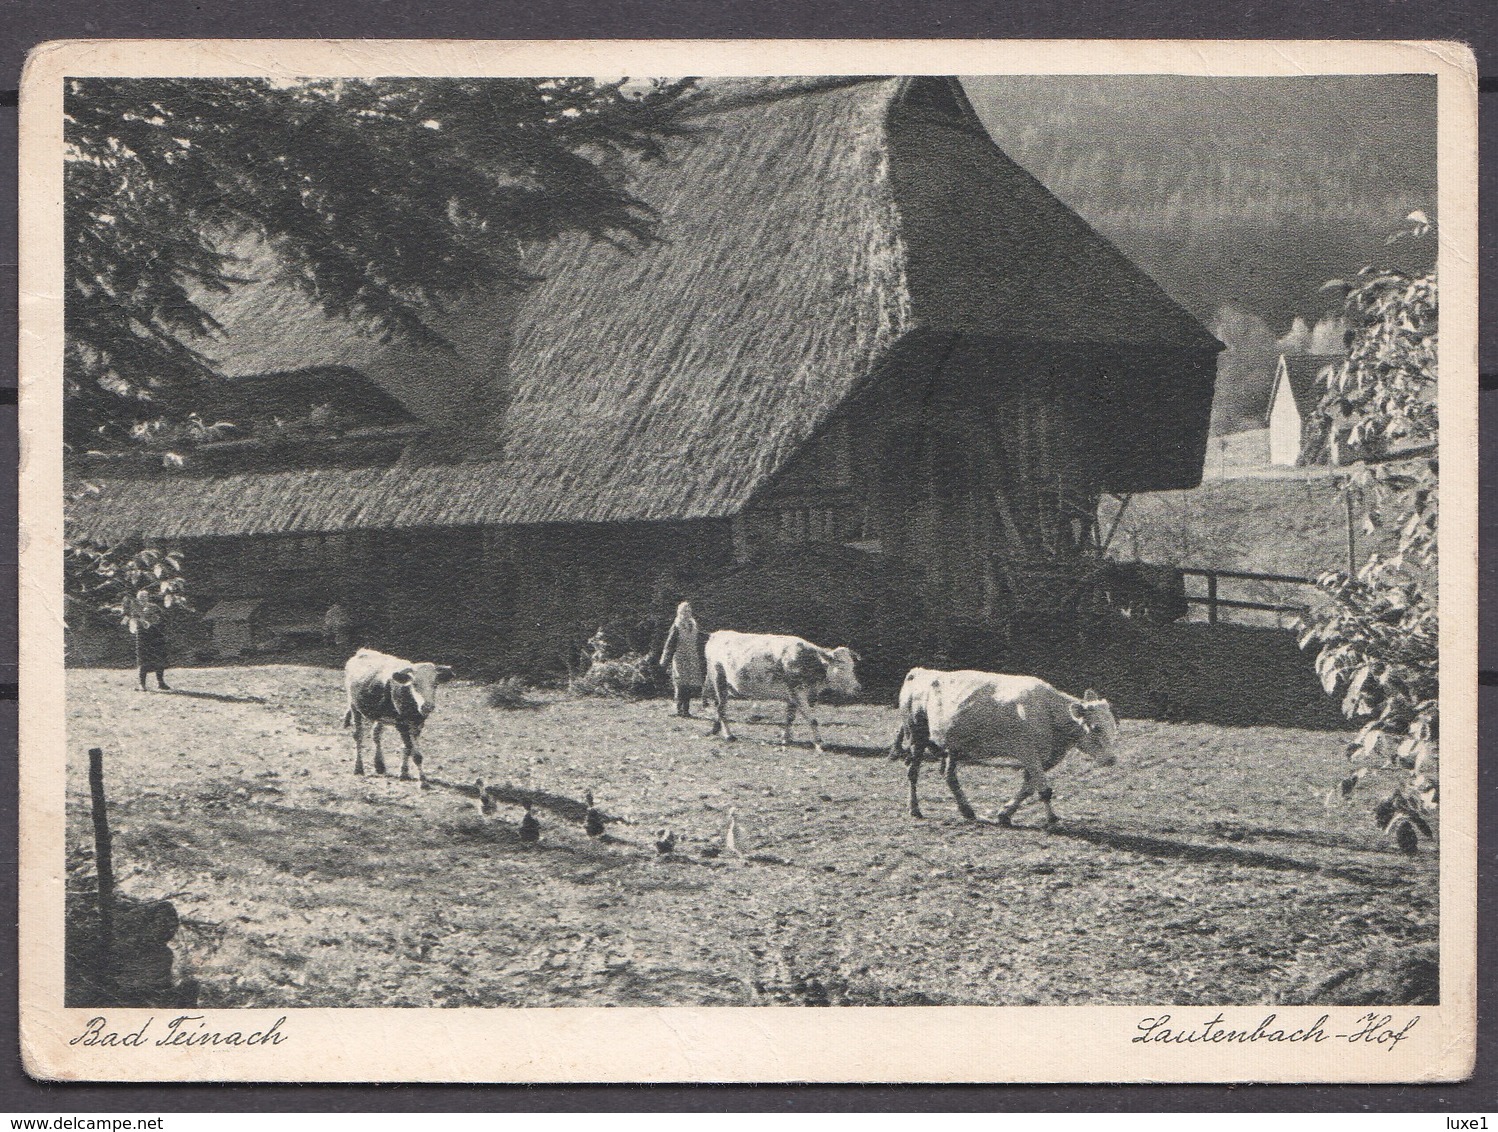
(1283, 430)
(1292, 407)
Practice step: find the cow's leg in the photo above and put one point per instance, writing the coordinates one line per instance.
(790, 714)
(949, 771)
(720, 698)
(358, 721)
(915, 735)
(898, 748)
(1027, 787)
(804, 702)
(710, 700)
(411, 753)
(1043, 791)
(379, 750)
(913, 772)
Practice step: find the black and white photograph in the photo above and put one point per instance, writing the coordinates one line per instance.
(503, 545)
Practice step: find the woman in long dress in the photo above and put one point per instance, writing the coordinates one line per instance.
(151, 653)
(682, 654)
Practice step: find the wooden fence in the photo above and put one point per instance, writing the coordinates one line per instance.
(1215, 604)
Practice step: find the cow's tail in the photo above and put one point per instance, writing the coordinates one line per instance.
(348, 718)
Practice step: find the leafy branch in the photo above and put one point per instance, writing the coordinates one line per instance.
(137, 585)
(1378, 637)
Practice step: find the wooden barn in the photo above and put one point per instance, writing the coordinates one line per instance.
(871, 364)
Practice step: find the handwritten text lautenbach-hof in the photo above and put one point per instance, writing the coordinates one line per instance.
(1374, 1028)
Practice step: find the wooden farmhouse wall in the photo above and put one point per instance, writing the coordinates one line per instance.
(980, 463)
(493, 592)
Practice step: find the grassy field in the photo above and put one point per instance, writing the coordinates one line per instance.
(1202, 868)
(1287, 523)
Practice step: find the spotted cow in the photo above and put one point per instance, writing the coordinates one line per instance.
(771, 666)
(985, 717)
(386, 689)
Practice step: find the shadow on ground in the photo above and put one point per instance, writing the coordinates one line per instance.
(218, 697)
(1153, 846)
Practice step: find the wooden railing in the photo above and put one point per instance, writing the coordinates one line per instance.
(1214, 603)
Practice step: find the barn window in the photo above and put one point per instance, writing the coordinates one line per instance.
(294, 554)
(815, 524)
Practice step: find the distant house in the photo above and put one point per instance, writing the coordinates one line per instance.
(1285, 430)
(868, 346)
(1294, 437)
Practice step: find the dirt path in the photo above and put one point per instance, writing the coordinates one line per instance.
(1203, 868)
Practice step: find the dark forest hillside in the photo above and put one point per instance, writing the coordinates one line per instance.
(1230, 192)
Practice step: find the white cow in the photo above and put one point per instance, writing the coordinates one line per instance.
(771, 666)
(386, 689)
(982, 717)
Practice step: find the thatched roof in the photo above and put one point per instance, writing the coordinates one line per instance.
(807, 227)
(272, 329)
(356, 399)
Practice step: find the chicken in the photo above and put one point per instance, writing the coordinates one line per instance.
(530, 828)
(731, 838)
(592, 819)
(486, 803)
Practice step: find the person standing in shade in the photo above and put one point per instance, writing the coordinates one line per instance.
(337, 628)
(682, 656)
(150, 653)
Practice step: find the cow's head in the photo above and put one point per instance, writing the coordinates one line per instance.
(840, 675)
(1094, 715)
(413, 690)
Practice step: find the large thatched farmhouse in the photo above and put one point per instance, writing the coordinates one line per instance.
(871, 364)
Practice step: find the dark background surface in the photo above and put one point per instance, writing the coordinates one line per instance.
(24, 24)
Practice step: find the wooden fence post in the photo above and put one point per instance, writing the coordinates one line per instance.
(1211, 597)
(1123, 505)
(104, 866)
(1352, 543)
